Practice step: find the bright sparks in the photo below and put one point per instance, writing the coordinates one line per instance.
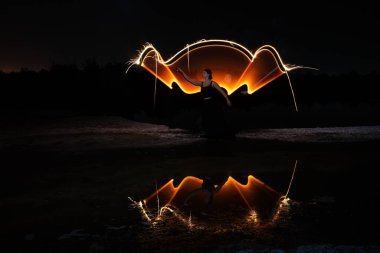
(255, 200)
(233, 65)
(232, 196)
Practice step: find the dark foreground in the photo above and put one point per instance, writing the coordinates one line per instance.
(67, 185)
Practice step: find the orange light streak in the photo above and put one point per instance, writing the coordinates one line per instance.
(254, 198)
(233, 65)
(254, 195)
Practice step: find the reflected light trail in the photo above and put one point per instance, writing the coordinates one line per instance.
(255, 200)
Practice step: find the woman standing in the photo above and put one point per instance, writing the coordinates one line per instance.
(213, 122)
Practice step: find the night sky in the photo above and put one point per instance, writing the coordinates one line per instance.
(335, 38)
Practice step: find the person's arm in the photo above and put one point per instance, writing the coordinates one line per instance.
(190, 80)
(217, 87)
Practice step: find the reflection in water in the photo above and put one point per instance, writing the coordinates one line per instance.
(195, 201)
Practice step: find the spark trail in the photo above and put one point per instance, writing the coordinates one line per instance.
(233, 65)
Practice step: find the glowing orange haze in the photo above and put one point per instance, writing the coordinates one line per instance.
(255, 195)
(232, 65)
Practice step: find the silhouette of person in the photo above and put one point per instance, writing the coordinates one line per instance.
(213, 122)
(207, 187)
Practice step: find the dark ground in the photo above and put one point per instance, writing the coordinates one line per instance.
(65, 185)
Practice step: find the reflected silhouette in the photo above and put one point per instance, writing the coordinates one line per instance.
(202, 196)
(220, 201)
(208, 187)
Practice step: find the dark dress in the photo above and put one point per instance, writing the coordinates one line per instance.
(212, 108)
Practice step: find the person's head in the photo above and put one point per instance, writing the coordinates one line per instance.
(207, 74)
(208, 184)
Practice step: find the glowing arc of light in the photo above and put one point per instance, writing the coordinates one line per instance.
(230, 180)
(149, 46)
(284, 68)
(291, 180)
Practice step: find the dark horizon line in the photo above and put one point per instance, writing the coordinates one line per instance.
(48, 68)
(89, 61)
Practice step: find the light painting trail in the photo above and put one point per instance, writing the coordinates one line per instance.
(233, 65)
(255, 200)
(232, 194)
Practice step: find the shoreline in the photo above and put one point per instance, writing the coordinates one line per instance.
(100, 133)
(65, 186)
